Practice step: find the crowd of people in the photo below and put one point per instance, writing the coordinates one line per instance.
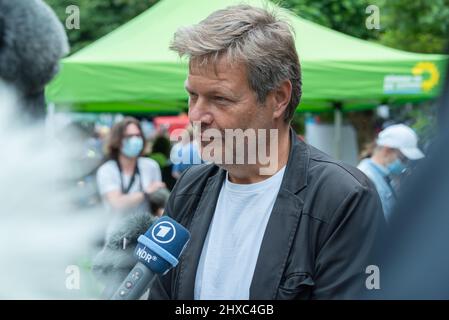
(137, 173)
(133, 166)
(135, 181)
(305, 232)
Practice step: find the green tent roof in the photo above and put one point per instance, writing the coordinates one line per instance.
(132, 70)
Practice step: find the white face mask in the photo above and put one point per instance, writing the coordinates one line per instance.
(396, 167)
(132, 147)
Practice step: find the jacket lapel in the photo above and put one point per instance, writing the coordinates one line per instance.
(282, 225)
(198, 230)
(279, 233)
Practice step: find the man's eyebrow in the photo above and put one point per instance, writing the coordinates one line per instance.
(215, 92)
(212, 92)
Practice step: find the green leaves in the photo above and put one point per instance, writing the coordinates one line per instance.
(98, 17)
(417, 26)
(347, 16)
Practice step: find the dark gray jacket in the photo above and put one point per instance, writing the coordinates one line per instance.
(318, 241)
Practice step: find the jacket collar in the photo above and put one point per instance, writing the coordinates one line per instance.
(278, 236)
(282, 225)
(297, 165)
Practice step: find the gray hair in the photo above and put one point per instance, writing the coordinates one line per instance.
(250, 35)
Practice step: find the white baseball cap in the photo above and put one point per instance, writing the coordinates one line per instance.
(401, 137)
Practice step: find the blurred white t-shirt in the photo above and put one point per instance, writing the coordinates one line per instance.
(108, 176)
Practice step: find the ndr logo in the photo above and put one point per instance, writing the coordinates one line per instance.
(144, 255)
(164, 232)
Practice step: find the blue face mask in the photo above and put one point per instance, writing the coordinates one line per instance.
(132, 147)
(396, 167)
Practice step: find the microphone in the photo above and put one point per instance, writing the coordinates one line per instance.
(157, 251)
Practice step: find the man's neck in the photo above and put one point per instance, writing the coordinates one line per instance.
(127, 164)
(252, 173)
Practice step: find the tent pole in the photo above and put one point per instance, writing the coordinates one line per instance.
(338, 123)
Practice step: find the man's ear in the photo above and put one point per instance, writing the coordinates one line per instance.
(282, 96)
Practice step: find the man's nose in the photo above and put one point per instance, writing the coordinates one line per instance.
(199, 111)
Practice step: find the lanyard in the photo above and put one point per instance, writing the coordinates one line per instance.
(133, 177)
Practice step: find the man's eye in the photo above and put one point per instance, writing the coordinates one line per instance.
(221, 99)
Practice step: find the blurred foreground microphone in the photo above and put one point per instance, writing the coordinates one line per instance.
(157, 252)
(32, 40)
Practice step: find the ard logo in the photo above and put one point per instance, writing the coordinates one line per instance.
(164, 232)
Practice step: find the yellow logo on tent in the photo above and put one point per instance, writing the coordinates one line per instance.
(431, 69)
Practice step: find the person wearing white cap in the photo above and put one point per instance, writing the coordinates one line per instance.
(395, 145)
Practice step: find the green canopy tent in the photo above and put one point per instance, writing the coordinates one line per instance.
(132, 70)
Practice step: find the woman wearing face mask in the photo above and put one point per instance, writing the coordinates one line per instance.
(127, 183)
(127, 180)
(395, 146)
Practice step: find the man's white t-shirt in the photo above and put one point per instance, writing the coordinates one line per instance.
(108, 176)
(232, 245)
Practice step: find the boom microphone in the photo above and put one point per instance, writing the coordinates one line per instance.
(157, 251)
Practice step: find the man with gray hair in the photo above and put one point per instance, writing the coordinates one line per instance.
(305, 230)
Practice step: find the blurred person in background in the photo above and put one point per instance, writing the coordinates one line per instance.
(126, 180)
(395, 147)
(160, 152)
(185, 154)
(39, 224)
(414, 263)
(131, 188)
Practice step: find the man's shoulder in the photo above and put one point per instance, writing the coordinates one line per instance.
(194, 179)
(332, 184)
(188, 190)
(328, 169)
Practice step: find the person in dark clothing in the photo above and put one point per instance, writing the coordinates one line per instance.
(294, 225)
(414, 263)
(160, 152)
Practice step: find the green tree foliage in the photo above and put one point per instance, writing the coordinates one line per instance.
(347, 16)
(98, 17)
(417, 26)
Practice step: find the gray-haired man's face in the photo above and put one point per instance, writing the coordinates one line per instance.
(219, 99)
